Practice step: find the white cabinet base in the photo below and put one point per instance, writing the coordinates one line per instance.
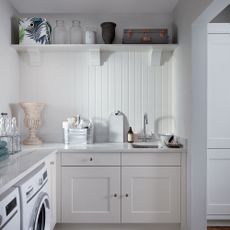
(151, 195)
(124, 193)
(90, 195)
(218, 184)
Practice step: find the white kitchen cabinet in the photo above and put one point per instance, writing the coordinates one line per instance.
(90, 194)
(218, 153)
(121, 188)
(52, 167)
(151, 194)
(218, 184)
(218, 86)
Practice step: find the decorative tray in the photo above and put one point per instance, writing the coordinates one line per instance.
(145, 36)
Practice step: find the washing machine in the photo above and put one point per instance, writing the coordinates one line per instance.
(10, 210)
(35, 203)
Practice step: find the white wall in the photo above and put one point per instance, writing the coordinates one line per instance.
(125, 81)
(192, 18)
(9, 68)
(184, 15)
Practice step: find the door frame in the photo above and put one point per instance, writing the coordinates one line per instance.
(198, 198)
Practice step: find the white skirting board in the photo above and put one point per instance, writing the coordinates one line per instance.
(117, 227)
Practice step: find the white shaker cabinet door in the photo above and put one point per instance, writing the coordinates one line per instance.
(218, 184)
(151, 194)
(218, 90)
(90, 194)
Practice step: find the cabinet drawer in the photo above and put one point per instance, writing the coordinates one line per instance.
(90, 159)
(151, 159)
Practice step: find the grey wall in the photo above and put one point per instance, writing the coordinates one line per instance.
(185, 14)
(223, 17)
(9, 65)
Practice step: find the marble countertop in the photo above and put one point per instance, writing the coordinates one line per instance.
(16, 166)
(102, 147)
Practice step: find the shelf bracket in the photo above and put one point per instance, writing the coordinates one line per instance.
(155, 57)
(95, 57)
(34, 56)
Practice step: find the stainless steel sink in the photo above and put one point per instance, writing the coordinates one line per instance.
(146, 145)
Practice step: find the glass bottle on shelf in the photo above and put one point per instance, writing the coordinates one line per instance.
(60, 33)
(16, 146)
(5, 124)
(90, 35)
(76, 33)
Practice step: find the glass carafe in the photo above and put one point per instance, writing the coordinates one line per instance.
(76, 33)
(60, 33)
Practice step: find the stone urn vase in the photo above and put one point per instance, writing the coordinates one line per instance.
(32, 121)
(108, 32)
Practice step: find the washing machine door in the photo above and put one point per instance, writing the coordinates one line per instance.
(41, 216)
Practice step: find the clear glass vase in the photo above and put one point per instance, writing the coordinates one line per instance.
(76, 33)
(60, 33)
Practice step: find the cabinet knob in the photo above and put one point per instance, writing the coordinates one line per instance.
(115, 195)
(90, 159)
(126, 195)
(52, 163)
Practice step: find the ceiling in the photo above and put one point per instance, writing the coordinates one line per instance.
(94, 6)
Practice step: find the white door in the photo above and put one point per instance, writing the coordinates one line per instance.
(151, 195)
(218, 184)
(218, 90)
(90, 194)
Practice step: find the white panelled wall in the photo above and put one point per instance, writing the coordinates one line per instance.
(69, 85)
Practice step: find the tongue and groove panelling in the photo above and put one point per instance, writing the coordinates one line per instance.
(69, 85)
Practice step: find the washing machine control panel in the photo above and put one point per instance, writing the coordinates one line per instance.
(9, 206)
(34, 184)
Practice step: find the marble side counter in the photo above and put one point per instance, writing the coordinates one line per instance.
(102, 147)
(16, 166)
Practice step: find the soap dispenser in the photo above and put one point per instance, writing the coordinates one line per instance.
(130, 135)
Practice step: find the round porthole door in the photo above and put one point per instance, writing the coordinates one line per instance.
(41, 215)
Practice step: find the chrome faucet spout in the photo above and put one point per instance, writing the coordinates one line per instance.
(144, 127)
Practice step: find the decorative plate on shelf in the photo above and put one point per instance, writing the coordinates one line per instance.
(34, 30)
